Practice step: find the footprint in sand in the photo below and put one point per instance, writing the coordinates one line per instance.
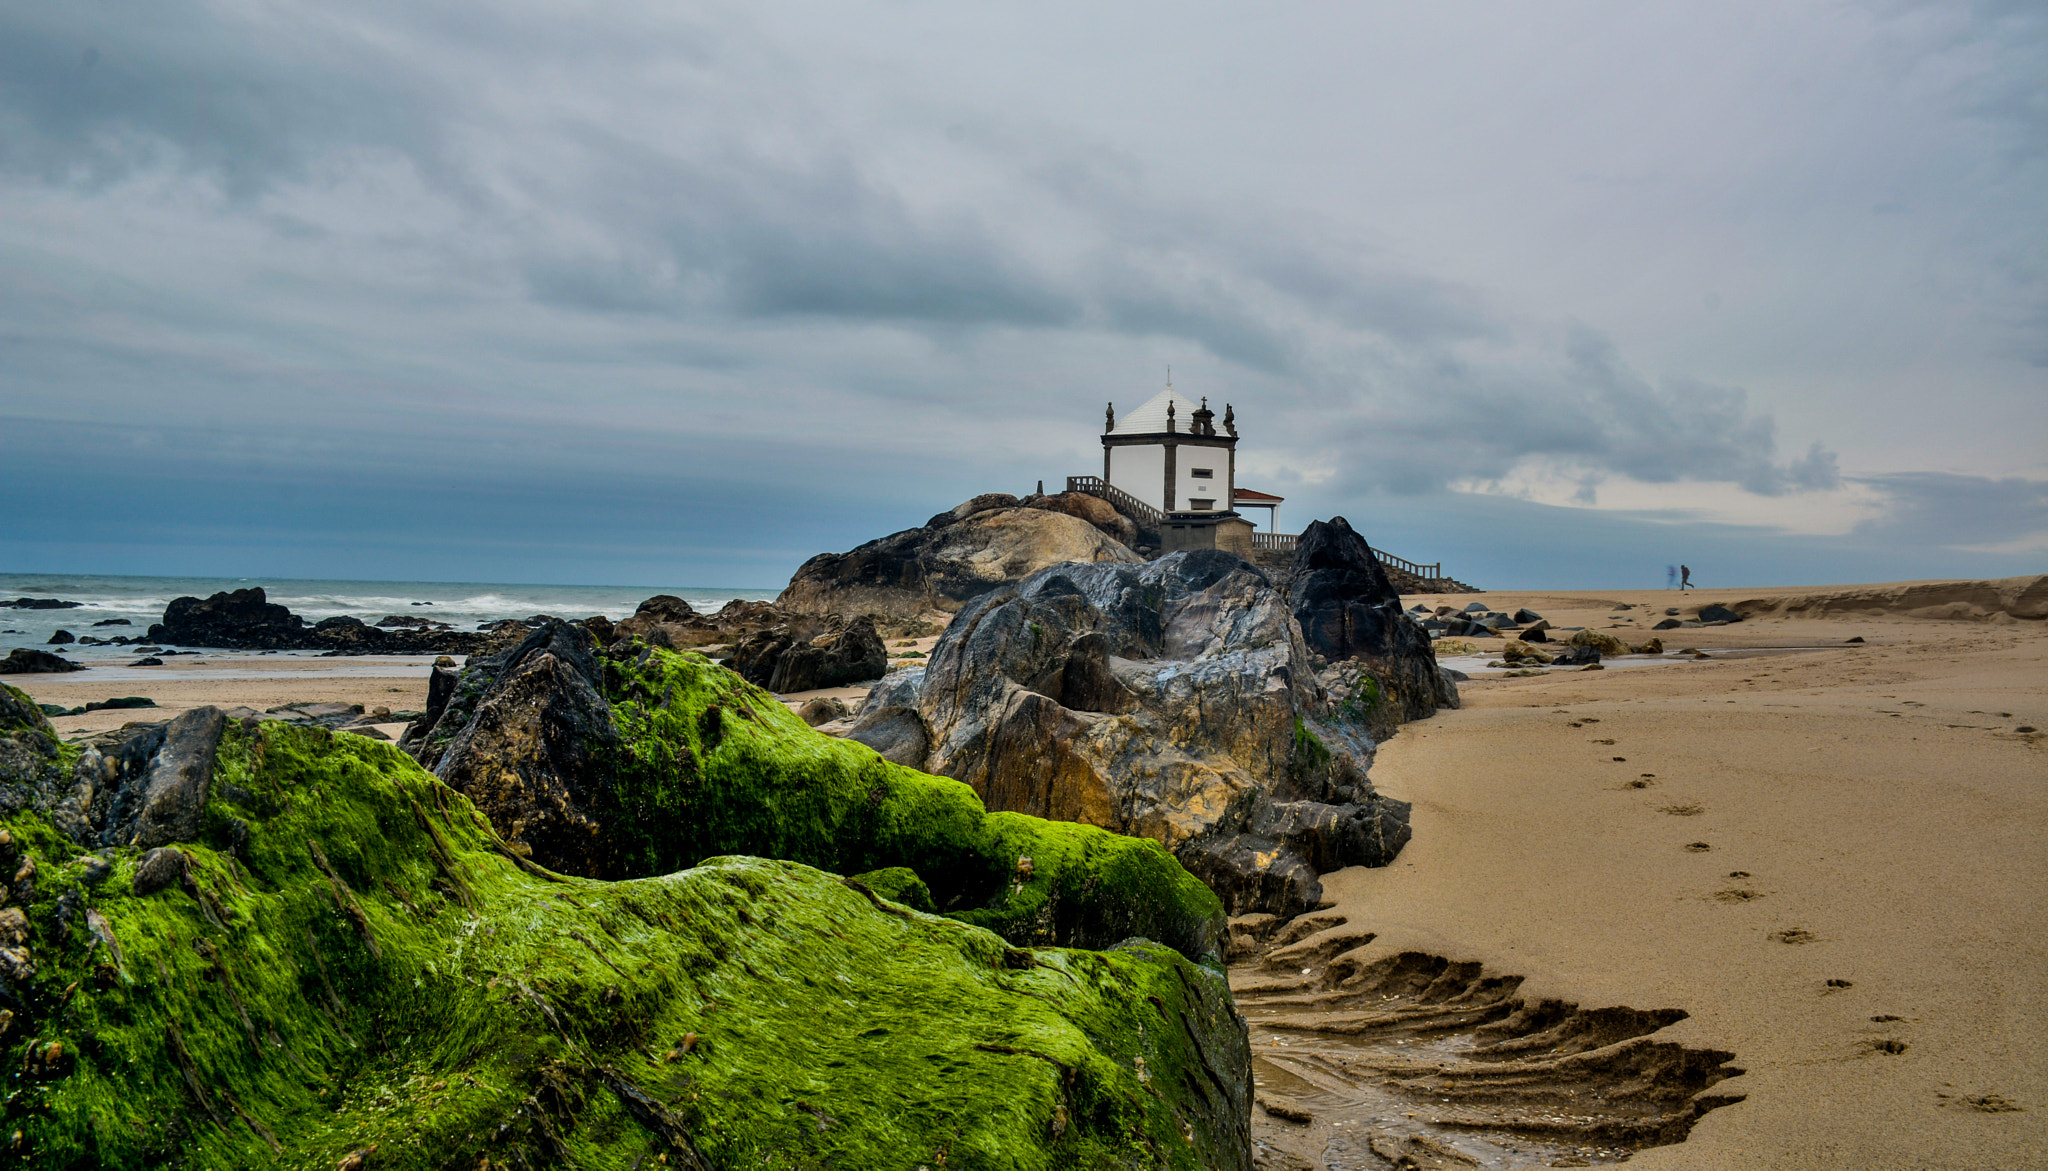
(1796, 935)
(1688, 809)
(1697, 847)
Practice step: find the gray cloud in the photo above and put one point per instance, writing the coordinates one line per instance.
(1950, 511)
(533, 234)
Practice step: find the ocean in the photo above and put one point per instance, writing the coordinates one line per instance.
(465, 605)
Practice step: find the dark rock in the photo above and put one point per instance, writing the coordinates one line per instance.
(601, 629)
(113, 622)
(160, 869)
(1536, 634)
(784, 662)
(530, 739)
(60, 638)
(1668, 624)
(1472, 608)
(1175, 700)
(821, 710)
(120, 703)
(30, 661)
(1526, 616)
(1718, 613)
(143, 785)
(961, 555)
(1576, 656)
(40, 604)
(1348, 609)
(147, 661)
(441, 682)
(247, 620)
(667, 621)
(58, 709)
(1672, 611)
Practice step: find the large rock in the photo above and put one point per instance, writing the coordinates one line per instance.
(143, 785)
(1174, 700)
(1093, 509)
(956, 557)
(25, 660)
(247, 620)
(1349, 611)
(783, 661)
(666, 620)
(686, 760)
(342, 922)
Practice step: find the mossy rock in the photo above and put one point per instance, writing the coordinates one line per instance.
(357, 962)
(706, 764)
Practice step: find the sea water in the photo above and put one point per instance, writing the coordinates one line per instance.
(463, 605)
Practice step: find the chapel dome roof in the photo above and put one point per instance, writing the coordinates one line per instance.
(1150, 419)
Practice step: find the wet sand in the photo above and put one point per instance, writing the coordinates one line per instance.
(1864, 930)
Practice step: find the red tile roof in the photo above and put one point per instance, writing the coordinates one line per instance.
(1248, 496)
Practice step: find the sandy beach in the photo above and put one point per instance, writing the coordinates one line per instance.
(1830, 856)
(1864, 931)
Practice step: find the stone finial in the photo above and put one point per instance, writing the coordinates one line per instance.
(1109, 418)
(1169, 414)
(1230, 419)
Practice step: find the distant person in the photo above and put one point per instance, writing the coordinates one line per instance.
(1685, 578)
(1670, 576)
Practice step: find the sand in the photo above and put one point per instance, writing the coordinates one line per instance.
(1878, 801)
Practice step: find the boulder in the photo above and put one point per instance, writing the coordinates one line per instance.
(1576, 655)
(1668, 624)
(668, 621)
(1175, 700)
(341, 905)
(24, 660)
(143, 785)
(1718, 613)
(1347, 608)
(1526, 616)
(956, 558)
(1093, 509)
(822, 709)
(246, 619)
(1600, 641)
(59, 638)
(783, 661)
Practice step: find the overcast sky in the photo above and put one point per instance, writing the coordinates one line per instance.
(680, 295)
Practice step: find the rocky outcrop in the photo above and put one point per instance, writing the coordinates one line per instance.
(248, 620)
(784, 661)
(223, 999)
(640, 761)
(1175, 700)
(39, 604)
(1350, 613)
(1093, 509)
(954, 558)
(666, 620)
(23, 660)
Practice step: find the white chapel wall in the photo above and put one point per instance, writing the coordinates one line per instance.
(1188, 487)
(1141, 471)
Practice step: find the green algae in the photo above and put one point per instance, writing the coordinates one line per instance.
(358, 961)
(715, 765)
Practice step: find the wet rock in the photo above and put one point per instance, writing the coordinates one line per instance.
(247, 620)
(40, 604)
(59, 638)
(1718, 613)
(960, 555)
(783, 662)
(1576, 655)
(24, 660)
(147, 661)
(1668, 624)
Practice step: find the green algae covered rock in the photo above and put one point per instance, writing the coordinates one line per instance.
(352, 963)
(644, 761)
